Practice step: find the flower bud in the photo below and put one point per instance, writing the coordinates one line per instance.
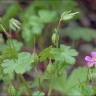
(12, 90)
(14, 24)
(50, 68)
(55, 38)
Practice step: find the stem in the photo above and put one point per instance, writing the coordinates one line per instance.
(39, 80)
(26, 84)
(50, 88)
(58, 33)
(88, 75)
(5, 32)
(8, 36)
(58, 25)
(49, 91)
(34, 50)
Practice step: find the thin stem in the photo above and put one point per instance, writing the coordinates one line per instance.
(38, 75)
(5, 32)
(50, 88)
(49, 91)
(88, 75)
(57, 32)
(34, 50)
(22, 79)
(58, 25)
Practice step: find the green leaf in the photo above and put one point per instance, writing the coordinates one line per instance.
(59, 83)
(71, 86)
(24, 62)
(31, 28)
(37, 29)
(20, 65)
(77, 33)
(87, 90)
(8, 66)
(2, 47)
(64, 54)
(9, 53)
(45, 54)
(8, 78)
(38, 93)
(18, 45)
(36, 24)
(27, 35)
(47, 16)
(77, 77)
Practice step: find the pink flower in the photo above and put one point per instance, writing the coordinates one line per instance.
(91, 60)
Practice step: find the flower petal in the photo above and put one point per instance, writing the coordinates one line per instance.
(88, 59)
(90, 64)
(93, 54)
(95, 63)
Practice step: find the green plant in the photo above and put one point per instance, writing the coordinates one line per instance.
(39, 15)
(10, 13)
(15, 62)
(57, 57)
(77, 33)
(34, 24)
